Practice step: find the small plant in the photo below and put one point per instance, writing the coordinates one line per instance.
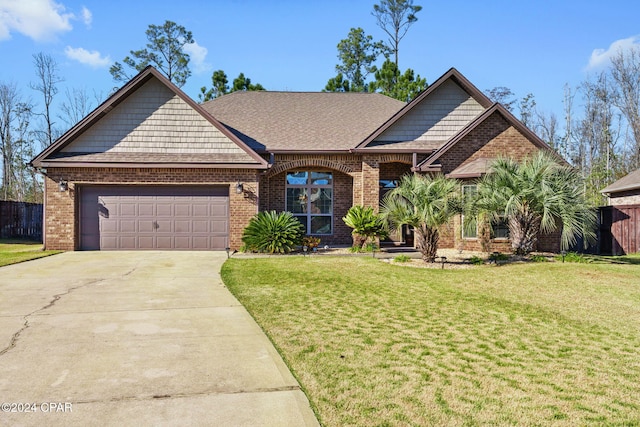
(368, 248)
(538, 258)
(311, 242)
(498, 256)
(365, 223)
(573, 257)
(402, 258)
(476, 260)
(273, 232)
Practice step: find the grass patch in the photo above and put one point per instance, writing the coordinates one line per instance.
(377, 344)
(15, 251)
(402, 258)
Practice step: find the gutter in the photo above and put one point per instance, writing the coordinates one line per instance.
(152, 165)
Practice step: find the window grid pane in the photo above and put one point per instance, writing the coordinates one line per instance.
(297, 178)
(309, 196)
(320, 225)
(297, 200)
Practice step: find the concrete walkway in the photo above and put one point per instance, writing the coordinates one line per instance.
(136, 338)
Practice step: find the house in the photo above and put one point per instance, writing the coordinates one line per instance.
(152, 169)
(620, 221)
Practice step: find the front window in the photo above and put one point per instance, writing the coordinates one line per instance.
(310, 199)
(500, 229)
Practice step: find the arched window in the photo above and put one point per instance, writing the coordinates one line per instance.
(310, 199)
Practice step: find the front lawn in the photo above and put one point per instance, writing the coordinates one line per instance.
(14, 251)
(521, 344)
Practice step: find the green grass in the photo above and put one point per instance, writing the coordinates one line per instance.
(15, 251)
(524, 344)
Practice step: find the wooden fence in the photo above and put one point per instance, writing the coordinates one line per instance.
(20, 220)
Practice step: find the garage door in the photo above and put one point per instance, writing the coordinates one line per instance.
(146, 217)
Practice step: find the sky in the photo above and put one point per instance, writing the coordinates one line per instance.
(529, 46)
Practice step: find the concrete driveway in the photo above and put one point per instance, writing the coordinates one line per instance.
(136, 338)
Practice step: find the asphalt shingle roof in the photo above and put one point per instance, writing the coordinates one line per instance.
(302, 121)
(628, 182)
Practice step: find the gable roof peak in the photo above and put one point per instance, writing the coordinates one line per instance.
(451, 75)
(148, 73)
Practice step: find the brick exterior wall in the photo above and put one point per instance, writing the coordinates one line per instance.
(624, 198)
(492, 138)
(61, 227)
(356, 181)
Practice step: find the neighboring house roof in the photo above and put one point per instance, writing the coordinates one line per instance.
(149, 122)
(302, 121)
(432, 118)
(431, 164)
(626, 183)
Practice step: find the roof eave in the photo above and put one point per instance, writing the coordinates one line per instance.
(464, 175)
(391, 151)
(150, 165)
(609, 191)
(285, 151)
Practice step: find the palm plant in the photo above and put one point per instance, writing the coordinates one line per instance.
(536, 195)
(366, 225)
(273, 232)
(425, 203)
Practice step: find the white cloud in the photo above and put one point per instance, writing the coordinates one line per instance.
(83, 56)
(197, 54)
(87, 17)
(601, 57)
(40, 20)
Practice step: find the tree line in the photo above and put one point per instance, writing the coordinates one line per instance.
(28, 127)
(599, 133)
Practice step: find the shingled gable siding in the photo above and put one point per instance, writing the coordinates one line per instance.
(61, 227)
(442, 114)
(154, 120)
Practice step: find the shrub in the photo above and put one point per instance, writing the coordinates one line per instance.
(402, 258)
(498, 256)
(365, 223)
(273, 232)
(311, 242)
(476, 260)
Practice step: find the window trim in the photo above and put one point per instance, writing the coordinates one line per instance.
(309, 187)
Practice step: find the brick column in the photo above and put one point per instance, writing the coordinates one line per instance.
(370, 182)
(60, 220)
